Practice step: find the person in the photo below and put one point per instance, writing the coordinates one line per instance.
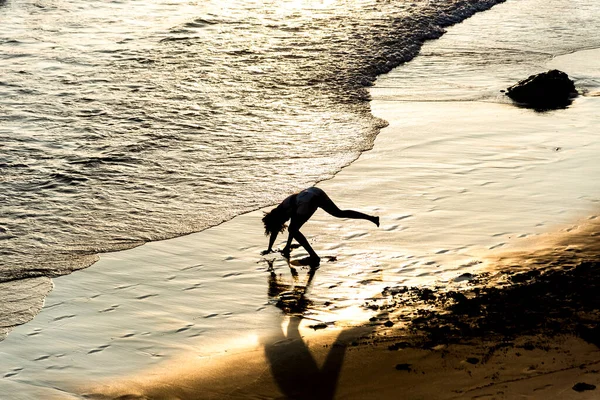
(298, 208)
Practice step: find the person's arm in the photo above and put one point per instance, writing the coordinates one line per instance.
(288, 246)
(271, 242)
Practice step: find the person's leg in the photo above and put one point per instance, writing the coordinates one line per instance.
(329, 207)
(304, 243)
(295, 224)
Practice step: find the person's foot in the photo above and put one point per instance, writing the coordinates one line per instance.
(315, 261)
(376, 221)
(285, 253)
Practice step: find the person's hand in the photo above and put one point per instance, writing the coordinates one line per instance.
(265, 252)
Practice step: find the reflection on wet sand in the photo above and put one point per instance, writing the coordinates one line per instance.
(292, 364)
(291, 299)
(299, 368)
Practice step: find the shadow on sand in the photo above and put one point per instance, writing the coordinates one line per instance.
(292, 364)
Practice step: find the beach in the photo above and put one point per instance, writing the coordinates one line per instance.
(481, 202)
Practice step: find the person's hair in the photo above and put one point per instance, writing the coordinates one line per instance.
(274, 221)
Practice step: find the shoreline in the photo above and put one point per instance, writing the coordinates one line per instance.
(166, 314)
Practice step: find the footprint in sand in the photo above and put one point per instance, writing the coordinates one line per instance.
(58, 367)
(398, 228)
(194, 286)
(355, 235)
(36, 331)
(13, 372)
(400, 218)
(231, 274)
(125, 286)
(185, 328)
(99, 349)
(145, 296)
(500, 234)
(497, 245)
(111, 308)
(42, 358)
(127, 335)
(63, 317)
(368, 281)
(191, 267)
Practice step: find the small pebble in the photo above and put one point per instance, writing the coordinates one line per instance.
(403, 367)
(582, 386)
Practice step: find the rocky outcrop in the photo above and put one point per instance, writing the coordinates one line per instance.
(548, 90)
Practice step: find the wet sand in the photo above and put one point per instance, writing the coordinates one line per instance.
(529, 329)
(201, 316)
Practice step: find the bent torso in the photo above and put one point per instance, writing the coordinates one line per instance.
(307, 201)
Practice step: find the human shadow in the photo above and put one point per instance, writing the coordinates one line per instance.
(290, 298)
(292, 364)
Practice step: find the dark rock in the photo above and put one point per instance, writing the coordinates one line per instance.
(405, 367)
(528, 346)
(426, 294)
(388, 323)
(473, 360)
(548, 90)
(581, 386)
(318, 326)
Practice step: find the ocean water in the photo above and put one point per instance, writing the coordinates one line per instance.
(127, 122)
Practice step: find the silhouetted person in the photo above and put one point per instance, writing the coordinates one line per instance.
(299, 208)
